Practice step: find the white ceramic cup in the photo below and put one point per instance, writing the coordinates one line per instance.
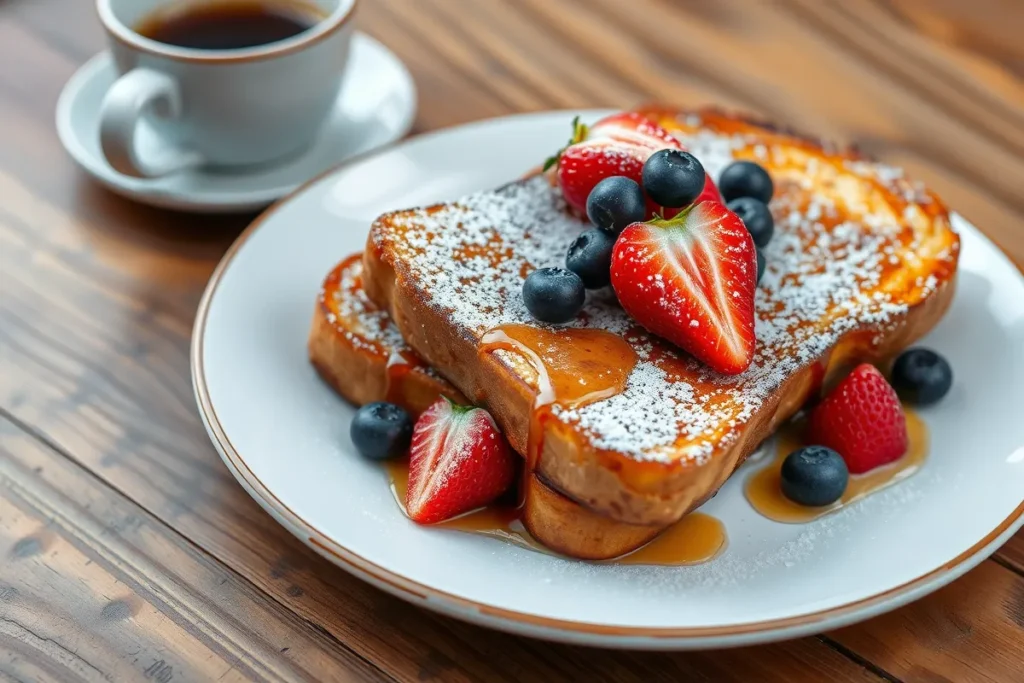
(218, 108)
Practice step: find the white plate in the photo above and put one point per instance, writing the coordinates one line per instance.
(376, 106)
(284, 434)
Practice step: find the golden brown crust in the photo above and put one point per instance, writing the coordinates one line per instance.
(355, 364)
(659, 491)
(354, 360)
(626, 490)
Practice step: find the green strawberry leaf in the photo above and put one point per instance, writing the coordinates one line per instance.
(579, 134)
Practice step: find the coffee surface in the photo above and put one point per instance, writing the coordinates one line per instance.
(230, 25)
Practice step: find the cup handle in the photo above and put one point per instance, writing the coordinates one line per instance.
(131, 96)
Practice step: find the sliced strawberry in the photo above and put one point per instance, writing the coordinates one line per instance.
(458, 461)
(862, 420)
(691, 279)
(615, 145)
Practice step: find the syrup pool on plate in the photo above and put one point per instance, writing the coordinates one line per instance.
(764, 488)
(575, 367)
(694, 539)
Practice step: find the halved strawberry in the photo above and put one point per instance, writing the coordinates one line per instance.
(458, 461)
(862, 420)
(691, 280)
(615, 145)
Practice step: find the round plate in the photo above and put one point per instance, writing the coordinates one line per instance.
(376, 106)
(284, 434)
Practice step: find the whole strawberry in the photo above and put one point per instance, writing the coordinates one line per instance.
(617, 145)
(862, 420)
(691, 280)
(458, 461)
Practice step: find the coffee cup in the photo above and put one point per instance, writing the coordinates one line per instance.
(261, 98)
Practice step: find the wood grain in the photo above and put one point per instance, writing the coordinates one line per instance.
(940, 638)
(133, 541)
(98, 589)
(161, 459)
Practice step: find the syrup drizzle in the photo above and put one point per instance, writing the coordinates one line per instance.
(400, 364)
(574, 366)
(694, 539)
(764, 489)
(498, 521)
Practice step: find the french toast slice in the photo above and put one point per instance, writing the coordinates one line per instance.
(360, 353)
(862, 263)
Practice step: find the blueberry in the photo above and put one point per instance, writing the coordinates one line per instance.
(590, 257)
(745, 179)
(381, 431)
(814, 476)
(616, 202)
(921, 376)
(673, 178)
(756, 217)
(761, 263)
(553, 295)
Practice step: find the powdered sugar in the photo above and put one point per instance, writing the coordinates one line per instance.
(365, 322)
(361, 322)
(833, 244)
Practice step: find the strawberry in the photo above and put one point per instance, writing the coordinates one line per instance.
(458, 461)
(615, 145)
(862, 420)
(691, 279)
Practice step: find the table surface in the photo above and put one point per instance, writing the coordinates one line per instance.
(127, 550)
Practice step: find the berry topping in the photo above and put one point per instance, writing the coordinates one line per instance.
(861, 419)
(381, 431)
(755, 215)
(614, 203)
(673, 178)
(617, 145)
(761, 263)
(921, 376)
(691, 279)
(745, 179)
(459, 461)
(553, 295)
(814, 476)
(590, 257)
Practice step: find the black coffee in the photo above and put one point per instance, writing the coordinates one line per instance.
(230, 24)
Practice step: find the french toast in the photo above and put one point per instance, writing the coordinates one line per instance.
(359, 352)
(863, 263)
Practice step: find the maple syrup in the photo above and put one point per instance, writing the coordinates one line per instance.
(399, 365)
(764, 488)
(695, 538)
(574, 366)
(497, 521)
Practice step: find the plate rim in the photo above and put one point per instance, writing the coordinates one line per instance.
(524, 623)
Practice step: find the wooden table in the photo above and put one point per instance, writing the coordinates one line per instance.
(128, 552)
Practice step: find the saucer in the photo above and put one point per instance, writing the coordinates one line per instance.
(772, 581)
(376, 106)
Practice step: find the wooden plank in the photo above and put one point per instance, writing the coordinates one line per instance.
(971, 630)
(1012, 554)
(95, 588)
(157, 453)
(97, 294)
